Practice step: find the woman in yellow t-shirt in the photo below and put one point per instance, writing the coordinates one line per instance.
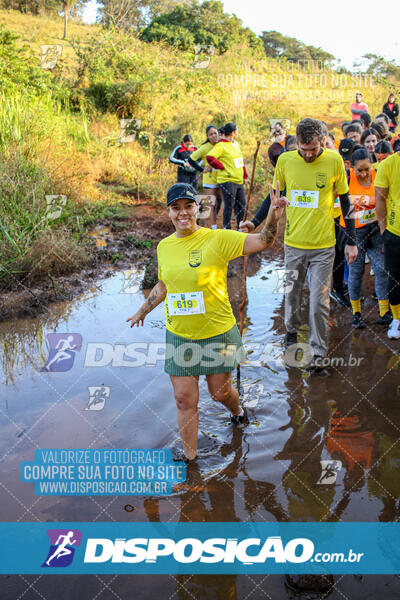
(202, 336)
(227, 158)
(209, 175)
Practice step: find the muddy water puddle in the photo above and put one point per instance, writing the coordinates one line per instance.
(316, 448)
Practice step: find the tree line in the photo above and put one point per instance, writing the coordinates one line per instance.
(185, 23)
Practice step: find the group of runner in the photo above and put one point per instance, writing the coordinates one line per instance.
(333, 218)
(364, 146)
(220, 159)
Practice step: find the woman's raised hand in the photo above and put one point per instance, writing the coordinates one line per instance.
(278, 203)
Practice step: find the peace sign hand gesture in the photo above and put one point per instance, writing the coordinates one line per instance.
(278, 204)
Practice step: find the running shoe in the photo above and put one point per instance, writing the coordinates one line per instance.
(340, 298)
(240, 419)
(386, 319)
(290, 338)
(358, 323)
(394, 330)
(371, 271)
(179, 456)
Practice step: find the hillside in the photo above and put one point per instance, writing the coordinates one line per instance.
(64, 137)
(35, 31)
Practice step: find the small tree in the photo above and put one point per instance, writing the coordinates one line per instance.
(70, 7)
(278, 45)
(66, 8)
(380, 67)
(133, 14)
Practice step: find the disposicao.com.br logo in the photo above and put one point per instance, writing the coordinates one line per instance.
(248, 551)
(189, 550)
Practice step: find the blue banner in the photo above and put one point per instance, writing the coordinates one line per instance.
(196, 548)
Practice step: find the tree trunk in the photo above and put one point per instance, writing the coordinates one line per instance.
(66, 10)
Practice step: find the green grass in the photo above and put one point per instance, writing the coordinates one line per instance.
(137, 243)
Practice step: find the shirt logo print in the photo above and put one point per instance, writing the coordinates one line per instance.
(320, 180)
(195, 258)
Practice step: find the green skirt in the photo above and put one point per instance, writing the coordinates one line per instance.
(218, 354)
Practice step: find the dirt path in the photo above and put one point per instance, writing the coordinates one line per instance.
(117, 245)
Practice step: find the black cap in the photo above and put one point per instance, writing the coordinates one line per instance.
(345, 148)
(181, 190)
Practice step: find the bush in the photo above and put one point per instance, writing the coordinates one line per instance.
(27, 174)
(53, 252)
(119, 98)
(19, 69)
(205, 23)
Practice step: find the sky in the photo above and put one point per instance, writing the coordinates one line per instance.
(320, 23)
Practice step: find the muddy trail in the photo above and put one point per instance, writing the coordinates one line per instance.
(116, 245)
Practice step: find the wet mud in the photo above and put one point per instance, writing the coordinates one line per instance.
(115, 245)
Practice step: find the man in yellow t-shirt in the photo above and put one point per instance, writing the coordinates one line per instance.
(387, 199)
(312, 177)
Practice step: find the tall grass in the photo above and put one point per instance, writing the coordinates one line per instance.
(29, 128)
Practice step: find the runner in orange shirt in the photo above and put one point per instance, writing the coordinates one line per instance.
(368, 238)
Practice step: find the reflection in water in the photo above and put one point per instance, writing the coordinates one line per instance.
(216, 502)
(100, 235)
(307, 501)
(23, 342)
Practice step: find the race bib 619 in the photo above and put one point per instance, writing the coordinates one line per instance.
(186, 303)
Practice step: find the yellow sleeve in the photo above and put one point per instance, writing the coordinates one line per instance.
(341, 185)
(382, 175)
(217, 151)
(230, 243)
(200, 153)
(158, 263)
(279, 175)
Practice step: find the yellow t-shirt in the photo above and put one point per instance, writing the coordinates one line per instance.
(230, 155)
(310, 189)
(388, 176)
(198, 263)
(199, 154)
